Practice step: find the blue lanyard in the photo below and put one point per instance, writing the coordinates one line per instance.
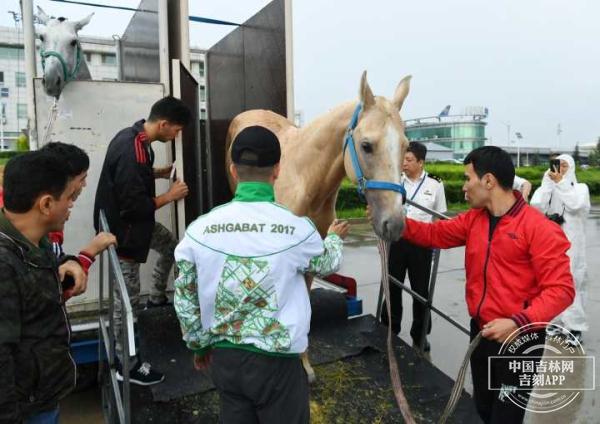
(418, 187)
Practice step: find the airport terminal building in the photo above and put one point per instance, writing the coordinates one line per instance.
(461, 133)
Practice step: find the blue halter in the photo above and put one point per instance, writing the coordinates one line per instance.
(363, 183)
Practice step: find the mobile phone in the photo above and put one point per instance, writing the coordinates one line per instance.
(555, 165)
(68, 282)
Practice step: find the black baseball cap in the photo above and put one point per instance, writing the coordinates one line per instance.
(260, 141)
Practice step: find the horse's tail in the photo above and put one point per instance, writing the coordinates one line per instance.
(231, 133)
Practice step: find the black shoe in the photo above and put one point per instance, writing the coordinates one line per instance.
(150, 304)
(426, 347)
(142, 375)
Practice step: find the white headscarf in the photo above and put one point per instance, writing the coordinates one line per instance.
(570, 175)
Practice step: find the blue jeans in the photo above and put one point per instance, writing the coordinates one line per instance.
(49, 417)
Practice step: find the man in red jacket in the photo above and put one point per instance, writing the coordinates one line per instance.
(516, 266)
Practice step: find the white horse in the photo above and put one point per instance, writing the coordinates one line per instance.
(62, 57)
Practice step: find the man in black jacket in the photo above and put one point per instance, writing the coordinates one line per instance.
(127, 194)
(37, 369)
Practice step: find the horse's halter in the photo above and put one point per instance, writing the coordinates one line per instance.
(67, 76)
(363, 183)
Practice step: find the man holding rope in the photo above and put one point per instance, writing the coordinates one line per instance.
(516, 265)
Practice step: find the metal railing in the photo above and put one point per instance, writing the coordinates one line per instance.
(115, 399)
(432, 282)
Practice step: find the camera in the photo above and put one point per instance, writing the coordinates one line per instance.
(559, 219)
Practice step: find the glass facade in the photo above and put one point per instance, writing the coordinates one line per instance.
(21, 110)
(11, 53)
(461, 137)
(20, 79)
(109, 59)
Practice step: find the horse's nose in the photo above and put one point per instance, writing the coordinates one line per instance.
(391, 229)
(58, 81)
(387, 227)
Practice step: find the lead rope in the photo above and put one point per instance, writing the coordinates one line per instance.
(394, 373)
(460, 381)
(51, 119)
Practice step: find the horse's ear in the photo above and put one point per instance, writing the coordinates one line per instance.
(83, 22)
(42, 17)
(401, 92)
(366, 95)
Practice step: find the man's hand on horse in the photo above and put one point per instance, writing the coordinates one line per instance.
(340, 228)
(498, 329)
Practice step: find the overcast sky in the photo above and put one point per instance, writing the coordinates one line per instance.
(533, 63)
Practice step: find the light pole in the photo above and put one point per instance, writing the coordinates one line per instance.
(519, 138)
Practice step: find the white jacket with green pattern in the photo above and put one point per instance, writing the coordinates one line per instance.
(241, 275)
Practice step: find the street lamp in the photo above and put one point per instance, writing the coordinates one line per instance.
(519, 137)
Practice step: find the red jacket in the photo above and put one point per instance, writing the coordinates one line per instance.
(522, 272)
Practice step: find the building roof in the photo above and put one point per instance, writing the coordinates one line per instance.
(434, 147)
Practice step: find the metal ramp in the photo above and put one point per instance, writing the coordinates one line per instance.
(349, 358)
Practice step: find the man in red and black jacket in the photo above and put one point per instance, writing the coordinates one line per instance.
(127, 194)
(517, 269)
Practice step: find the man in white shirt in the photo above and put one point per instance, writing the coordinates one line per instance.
(523, 186)
(426, 190)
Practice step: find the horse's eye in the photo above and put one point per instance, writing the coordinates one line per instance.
(73, 43)
(41, 38)
(366, 146)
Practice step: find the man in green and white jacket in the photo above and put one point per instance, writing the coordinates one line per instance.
(241, 296)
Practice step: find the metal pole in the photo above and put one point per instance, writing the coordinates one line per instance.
(30, 70)
(100, 321)
(163, 44)
(125, 367)
(518, 152)
(289, 60)
(184, 28)
(119, 54)
(427, 312)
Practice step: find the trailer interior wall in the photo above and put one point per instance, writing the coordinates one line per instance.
(246, 70)
(90, 113)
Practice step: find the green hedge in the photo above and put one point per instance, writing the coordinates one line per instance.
(9, 154)
(453, 177)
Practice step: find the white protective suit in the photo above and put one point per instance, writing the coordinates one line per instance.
(574, 199)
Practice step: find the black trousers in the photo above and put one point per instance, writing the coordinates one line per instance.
(405, 256)
(257, 388)
(492, 406)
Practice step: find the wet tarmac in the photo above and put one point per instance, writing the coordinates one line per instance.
(448, 344)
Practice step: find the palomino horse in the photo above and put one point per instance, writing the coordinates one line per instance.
(314, 162)
(62, 57)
